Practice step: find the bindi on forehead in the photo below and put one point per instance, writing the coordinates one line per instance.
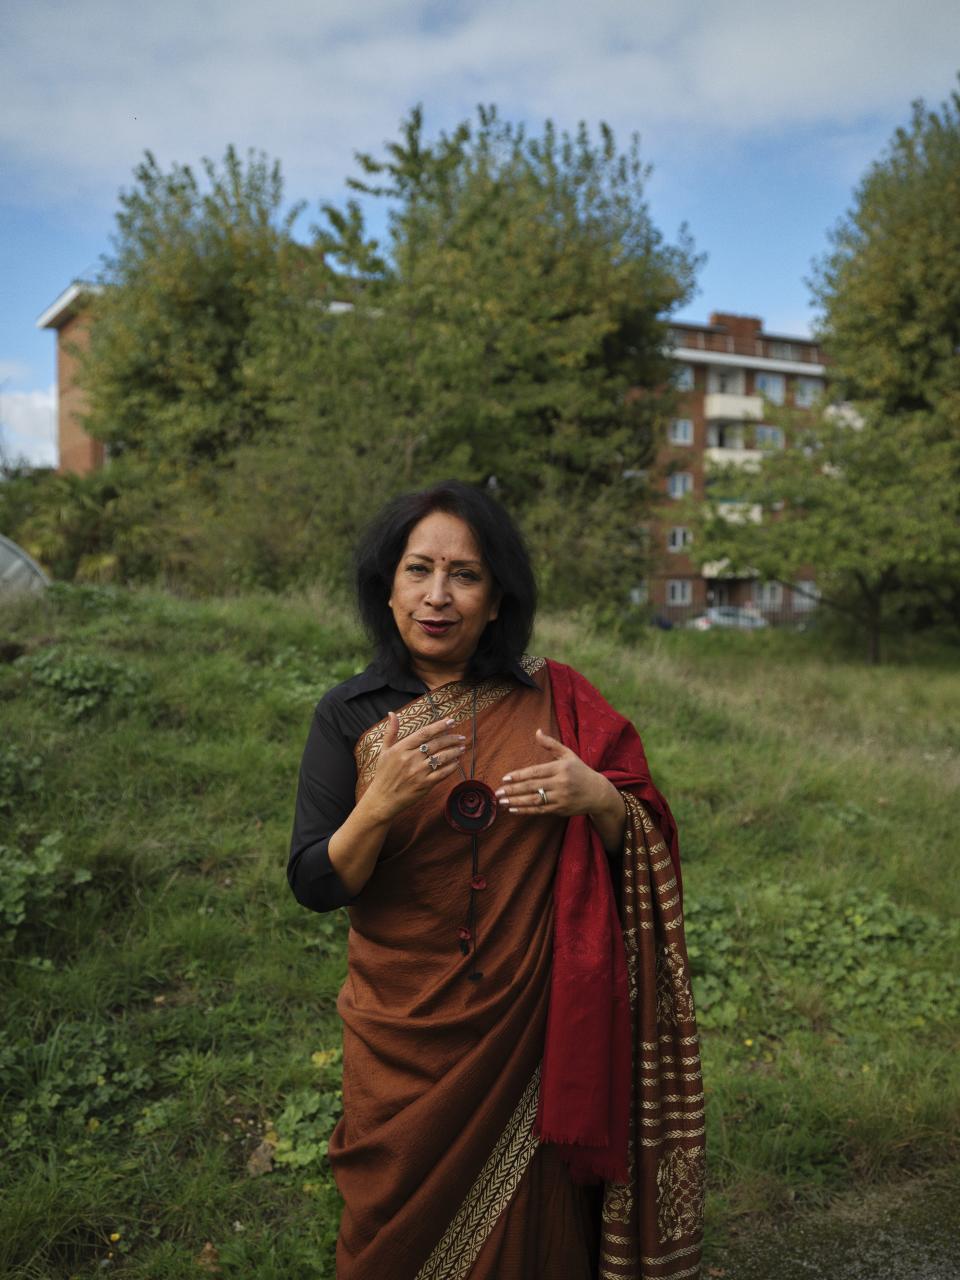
(444, 559)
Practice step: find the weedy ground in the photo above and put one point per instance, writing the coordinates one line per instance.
(169, 1053)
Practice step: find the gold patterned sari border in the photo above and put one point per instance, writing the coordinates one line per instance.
(490, 1194)
(451, 702)
(661, 1204)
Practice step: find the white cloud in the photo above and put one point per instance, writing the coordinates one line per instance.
(13, 371)
(28, 426)
(87, 86)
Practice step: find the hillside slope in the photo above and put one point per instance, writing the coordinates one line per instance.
(169, 1058)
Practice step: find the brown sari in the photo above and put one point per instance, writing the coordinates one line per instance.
(436, 1156)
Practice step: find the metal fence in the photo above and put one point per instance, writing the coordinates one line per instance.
(733, 617)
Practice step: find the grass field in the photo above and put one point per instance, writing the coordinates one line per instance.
(169, 1008)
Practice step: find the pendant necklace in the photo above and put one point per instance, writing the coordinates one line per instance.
(470, 807)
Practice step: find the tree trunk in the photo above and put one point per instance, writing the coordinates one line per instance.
(874, 626)
(873, 598)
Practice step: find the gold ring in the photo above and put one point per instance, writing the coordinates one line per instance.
(542, 794)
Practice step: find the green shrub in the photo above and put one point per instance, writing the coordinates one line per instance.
(305, 1126)
(796, 960)
(82, 682)
(32, 883)
(309, 1117)
(78, 1080)
(19, 776)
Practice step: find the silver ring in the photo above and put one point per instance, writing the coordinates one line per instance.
(434, 763)
(542, 794)
(424, 748)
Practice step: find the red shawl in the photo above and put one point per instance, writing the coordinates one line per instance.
(584, 1106)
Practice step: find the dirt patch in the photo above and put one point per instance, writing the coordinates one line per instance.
(910, 1231)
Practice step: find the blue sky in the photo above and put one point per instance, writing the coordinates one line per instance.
(758, 118)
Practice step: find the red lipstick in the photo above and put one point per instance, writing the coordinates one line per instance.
(434, 626)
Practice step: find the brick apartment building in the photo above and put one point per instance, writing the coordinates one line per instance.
(725, 369)
(69, 318)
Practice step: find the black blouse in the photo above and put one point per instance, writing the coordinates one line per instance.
(326, 790)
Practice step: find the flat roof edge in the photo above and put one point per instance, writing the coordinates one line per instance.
(61, 307)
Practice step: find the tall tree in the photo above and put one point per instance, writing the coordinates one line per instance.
(871, 495)
(889, 291)
(522, 294)
(197, 273)
(843, 496)
(889, 294)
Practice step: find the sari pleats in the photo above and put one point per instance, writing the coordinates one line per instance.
(437, 1067)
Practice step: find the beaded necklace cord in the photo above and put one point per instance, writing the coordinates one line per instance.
(474, 819)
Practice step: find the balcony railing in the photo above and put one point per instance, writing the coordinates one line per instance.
(697, 340)
(749, 459)
(722, 406)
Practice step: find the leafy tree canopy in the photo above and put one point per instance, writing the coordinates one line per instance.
(869, 493)
(195, 276)
(501, 333)
(889, 292)
(510, 331)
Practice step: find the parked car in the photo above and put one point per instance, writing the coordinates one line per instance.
(728, 616)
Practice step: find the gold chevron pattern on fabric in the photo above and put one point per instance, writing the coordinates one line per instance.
(490, 1194)
(652, 1226)
(451, 702)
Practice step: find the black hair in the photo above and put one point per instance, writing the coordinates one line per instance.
(501, 544)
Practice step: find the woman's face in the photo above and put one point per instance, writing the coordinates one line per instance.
(443, 595)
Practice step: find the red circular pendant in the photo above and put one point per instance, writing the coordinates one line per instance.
(470, 807)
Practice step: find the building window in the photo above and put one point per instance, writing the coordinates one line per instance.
(783, 351)
(805, 391)
(638, 594)
(724, 435)
(680, 484)
(681, 431)
(683, 377)
(678, 538)
(771, 385)
(728, 382)
(805, 595)
(768, 437)
(768, 595)
(679, 591)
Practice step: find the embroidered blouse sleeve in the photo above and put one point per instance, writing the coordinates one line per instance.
(325, 796)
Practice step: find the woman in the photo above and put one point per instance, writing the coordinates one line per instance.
(521, 1084)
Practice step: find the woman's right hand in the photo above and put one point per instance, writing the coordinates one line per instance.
(403, 773)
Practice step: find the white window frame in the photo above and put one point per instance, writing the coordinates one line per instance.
(805, 391)
(678, 538)
(682, 481)
(768, 595)
(724, 435)
(683, 377)
(681, 431)
(807, 597)
(780, 350)
(682, 589)
(767, 437)
(724, 381)
(762, 382)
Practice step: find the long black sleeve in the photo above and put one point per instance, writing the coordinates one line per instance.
(325, 797)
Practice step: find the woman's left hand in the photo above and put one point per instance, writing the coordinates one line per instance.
(570, 785)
